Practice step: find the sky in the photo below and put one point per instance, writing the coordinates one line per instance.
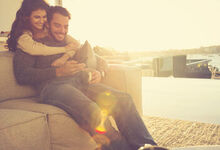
(145, 25)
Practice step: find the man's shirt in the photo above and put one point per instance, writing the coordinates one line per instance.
(36, 70)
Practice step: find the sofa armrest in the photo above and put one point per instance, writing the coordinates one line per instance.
(127, 79)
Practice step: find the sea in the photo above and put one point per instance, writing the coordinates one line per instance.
(188, 99)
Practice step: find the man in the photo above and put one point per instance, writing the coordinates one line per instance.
(85, 103)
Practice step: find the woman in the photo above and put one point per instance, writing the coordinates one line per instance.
(29, 25)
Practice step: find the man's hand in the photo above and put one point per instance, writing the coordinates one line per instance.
(102, 65)
(69, 68)
(96, 77)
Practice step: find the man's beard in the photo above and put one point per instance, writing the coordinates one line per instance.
(52, 36)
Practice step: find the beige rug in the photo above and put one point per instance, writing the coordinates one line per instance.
(178, 133)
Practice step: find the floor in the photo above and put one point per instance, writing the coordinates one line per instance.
(182, 98)
(173, 133)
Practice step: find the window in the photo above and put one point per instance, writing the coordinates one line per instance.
(145, 25)
(51, 2)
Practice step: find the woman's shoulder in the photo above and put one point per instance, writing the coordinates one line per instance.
(27, 32)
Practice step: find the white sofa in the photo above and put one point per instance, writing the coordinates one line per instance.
(26, 124)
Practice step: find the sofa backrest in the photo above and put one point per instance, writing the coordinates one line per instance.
(9, 89)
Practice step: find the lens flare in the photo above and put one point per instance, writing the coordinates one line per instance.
(106, 101)
(107, 93)
(100, 130)
(101, 127)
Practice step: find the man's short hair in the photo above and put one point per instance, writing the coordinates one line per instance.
(57, 9)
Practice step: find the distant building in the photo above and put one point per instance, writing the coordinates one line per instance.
(181, 66)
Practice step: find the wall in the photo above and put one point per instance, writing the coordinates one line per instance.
(8, 9)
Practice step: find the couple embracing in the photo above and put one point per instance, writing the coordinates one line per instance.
(67, 74)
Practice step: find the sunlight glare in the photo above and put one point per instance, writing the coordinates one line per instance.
(140, 25)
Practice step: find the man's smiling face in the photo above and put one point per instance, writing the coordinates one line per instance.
(58, 26)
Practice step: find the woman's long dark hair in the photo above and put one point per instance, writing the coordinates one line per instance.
(21, 22)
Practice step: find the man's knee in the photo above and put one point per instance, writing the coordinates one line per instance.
(73, 101)
(125, 99)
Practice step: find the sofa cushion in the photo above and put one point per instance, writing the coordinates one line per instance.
(19, 129)
(65, 134)
(31, 104)
(8, 85)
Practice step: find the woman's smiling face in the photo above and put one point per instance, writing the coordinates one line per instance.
(38, 18)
